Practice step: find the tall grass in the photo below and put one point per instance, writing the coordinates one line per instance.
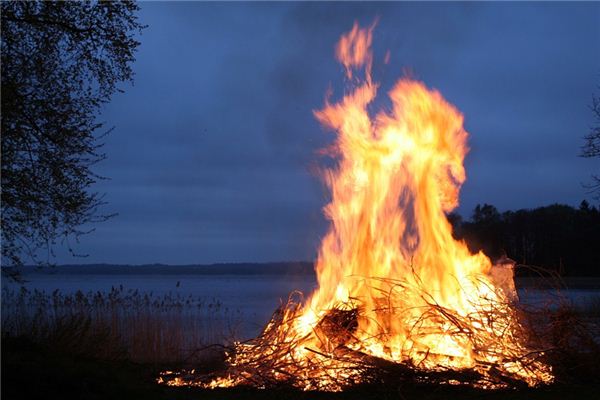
(141, 327)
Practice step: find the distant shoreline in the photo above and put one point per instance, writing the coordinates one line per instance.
(273, 268)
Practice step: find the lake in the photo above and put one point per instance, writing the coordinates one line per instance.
(253, 294)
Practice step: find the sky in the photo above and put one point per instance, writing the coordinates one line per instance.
(214, 150)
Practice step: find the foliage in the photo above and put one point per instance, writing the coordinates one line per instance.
(61, 61)
(558, 237)
(591, 148)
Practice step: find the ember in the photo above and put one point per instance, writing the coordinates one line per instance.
(398, 299)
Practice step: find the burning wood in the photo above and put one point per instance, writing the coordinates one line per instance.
(333, 356)
(398, 299)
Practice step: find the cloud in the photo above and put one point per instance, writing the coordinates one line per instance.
(211, 156)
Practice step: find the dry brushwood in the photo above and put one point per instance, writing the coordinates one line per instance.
(271, 360)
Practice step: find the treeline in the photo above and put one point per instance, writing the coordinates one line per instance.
(557, 237)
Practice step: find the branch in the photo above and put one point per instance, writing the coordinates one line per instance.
(37, 21)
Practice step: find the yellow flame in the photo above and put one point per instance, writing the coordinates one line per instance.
(423, 298)
(398, 173)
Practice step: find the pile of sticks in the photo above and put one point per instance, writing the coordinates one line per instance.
(280, 358)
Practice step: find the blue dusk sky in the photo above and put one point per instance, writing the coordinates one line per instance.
(214, 147)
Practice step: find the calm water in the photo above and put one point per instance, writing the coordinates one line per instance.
(254, 296)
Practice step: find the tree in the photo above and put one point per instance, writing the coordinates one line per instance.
(486, 214)
(61, 61)
(556, 237)
(485, 230)
(591, 148)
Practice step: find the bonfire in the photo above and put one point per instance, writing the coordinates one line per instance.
(398, 298)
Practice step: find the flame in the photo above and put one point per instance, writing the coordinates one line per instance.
(393, 282)
(398, 174)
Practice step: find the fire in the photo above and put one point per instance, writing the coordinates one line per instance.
(396, 290)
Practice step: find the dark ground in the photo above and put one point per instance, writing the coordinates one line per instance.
(30, 371)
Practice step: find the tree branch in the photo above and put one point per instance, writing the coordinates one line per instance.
(38, 21)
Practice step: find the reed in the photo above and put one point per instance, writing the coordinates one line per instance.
(121, 324)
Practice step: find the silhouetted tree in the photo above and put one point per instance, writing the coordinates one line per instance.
(591, 148)
(60, 62)
(456, 220)
(484, 231)
(557, 237)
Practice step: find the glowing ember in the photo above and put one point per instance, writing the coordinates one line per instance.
(396, 292)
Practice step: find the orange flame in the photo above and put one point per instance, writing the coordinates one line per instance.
(390, 241)
(354, 49)
(424, 299)
(397, 176)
